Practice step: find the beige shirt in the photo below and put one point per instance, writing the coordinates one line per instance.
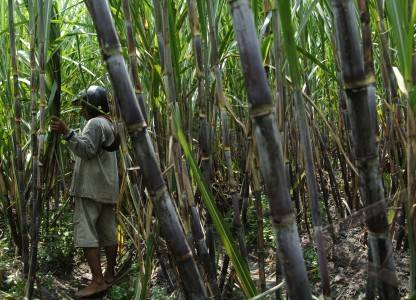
(95, 173)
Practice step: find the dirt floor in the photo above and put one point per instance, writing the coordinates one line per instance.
(347, 266)
(346, 262)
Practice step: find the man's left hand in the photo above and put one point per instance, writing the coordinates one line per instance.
(59, 126)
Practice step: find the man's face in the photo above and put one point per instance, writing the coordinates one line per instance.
(84, 112)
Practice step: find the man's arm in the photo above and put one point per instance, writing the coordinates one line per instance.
(85, 145)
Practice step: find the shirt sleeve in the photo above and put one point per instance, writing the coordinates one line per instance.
(87, 144)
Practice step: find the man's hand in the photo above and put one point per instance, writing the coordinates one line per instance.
(58, 126)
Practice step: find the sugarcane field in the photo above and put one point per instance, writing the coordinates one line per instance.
(207, 149)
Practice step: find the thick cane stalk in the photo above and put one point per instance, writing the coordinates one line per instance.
(21, 208)
(268, 143)
(38, 141)
(130, 110)
(359, 87)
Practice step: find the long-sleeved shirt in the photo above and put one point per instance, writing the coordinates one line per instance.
(95, 173)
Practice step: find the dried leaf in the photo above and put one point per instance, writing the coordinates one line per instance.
(400, 80)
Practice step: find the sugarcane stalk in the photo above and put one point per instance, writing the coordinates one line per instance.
(256, 183)
(207, 263)
(269, 150)
(369, 69)
(8, 209)
(186, 200)
(277, 51)
(225, 131)
(305, 142)
(168, 73)
(183, 180)
(366, 36)
(324, 188)
(133, 61)
(207, 130)
(130, 110)
(138, 89)
(206, 159)
(51, 154)
(38, 141)
(345, 127)
(161, 9)
(21, 207)
(33, 124)
(360, 90)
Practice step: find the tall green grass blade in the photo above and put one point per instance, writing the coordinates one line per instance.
(397, 13)
(288, 34)
(203, 22)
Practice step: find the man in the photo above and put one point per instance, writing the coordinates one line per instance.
(94, 186)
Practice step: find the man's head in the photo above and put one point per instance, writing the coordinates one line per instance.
(93, 102)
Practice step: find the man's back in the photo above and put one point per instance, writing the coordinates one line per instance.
(95, 174)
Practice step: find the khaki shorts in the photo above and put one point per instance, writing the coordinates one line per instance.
(94, 223)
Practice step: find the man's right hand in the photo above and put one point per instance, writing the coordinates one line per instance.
(59, 126)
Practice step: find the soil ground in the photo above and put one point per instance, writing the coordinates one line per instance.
(346, 262)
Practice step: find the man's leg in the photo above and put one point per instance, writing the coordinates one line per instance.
(93, 258)
(97, 284)
(107, 233)
(85, 215)
(111, 255)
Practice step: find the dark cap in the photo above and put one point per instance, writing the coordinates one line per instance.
(95, 100)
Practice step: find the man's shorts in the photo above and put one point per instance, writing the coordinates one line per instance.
(94, 223)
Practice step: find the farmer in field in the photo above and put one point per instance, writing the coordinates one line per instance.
(94, 186)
